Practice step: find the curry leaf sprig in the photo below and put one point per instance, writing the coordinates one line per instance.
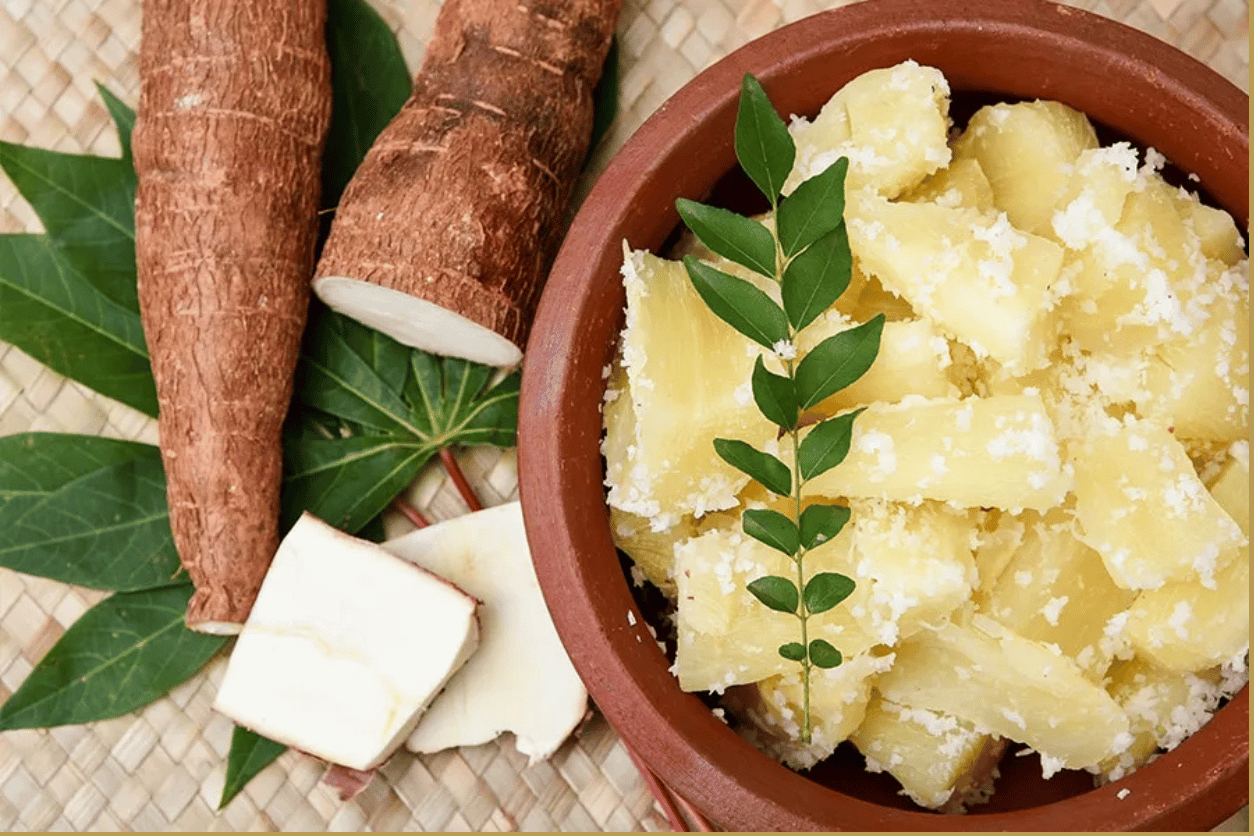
(806, 253)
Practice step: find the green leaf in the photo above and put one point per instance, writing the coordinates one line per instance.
(793, 651)
(820, 523)
(464, 402)
(825, 590)
(49, 310)
(817, 277)
(369, 83)
(780, 594)
(774, 395)
(87, 206)
(249, 754)
(347, 481)
(85, 510)
(826, 445)
(738, 303)
(772, 528)
(815, 208)
(604, 99)
(837, 362)
(742, 240)
(823, 655)
(122, 654)
(763, 467)
(764, 147)
(123, 119)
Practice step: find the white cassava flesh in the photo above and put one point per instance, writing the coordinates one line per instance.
(344, 647)
(521, 679)
(416, 322)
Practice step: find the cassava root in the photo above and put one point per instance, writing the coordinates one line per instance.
(234, 106)
(445, 234)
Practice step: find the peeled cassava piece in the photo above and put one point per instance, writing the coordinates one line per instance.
(345, 647)
(233, 110)
(520, 680)
(444, 235)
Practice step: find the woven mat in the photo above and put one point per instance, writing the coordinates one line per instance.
(162, 768)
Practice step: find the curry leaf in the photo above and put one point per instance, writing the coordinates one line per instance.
(823, 655)
(50, 311)
(815, 208)
(85, 510)
(825, 590)
(764, 148)
(742, 240)
(249, 754)
(122, 654)
(759, 466)
(826, 445)
(774, 395)
(838, 361)
(738, 303)
(817, 277)
(772, 528)
(780, 594)
(820, 523)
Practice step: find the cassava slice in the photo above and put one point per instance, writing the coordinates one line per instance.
(446, 232)
(234, 105)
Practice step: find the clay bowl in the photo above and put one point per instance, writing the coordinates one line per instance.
(1130, 85)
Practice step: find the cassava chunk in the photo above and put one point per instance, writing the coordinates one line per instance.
(1140, 504)
(912, 360)
(234, 105)
(891, 124)
(446, 232)
(978, 452)
(997, 680)
(667, 474)
(728, 637)
(653, 552)
(345, 648)
(1025, 150)
(975, 276)
(917, 560)
(838, 700)
(1054, 589)
(1185, 626)
(962, 183)
(941, 762)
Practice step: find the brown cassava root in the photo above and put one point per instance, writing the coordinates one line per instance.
(459, 206)
(234, 106)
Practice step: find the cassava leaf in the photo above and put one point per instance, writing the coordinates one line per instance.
(764, 147)
(738, 303)
(249, 754)
(826, 445)
(780, 594)
(604, 99)
(464, 402)
(772, 528)
(774, 395)
(825, 590)
(820, 523)
(123, 119)
(50, 311)
(837, 362)
(815, 208)
(369, 83)
(762, 467)
(347, 481)
(122, 654)
(85, 510)
(736, 238)
(87, 206)
(823, 655)
(817, 277)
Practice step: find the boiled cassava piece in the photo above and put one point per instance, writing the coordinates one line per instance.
(234, 105)
(446, 232)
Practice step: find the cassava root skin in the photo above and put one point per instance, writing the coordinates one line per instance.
(235, 101)
(461, 201)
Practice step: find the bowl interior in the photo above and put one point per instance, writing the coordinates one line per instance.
(1133, 87)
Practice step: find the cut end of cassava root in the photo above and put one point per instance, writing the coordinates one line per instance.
(417, 322)
(462, 200)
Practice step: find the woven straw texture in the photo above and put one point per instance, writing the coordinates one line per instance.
(162, 768)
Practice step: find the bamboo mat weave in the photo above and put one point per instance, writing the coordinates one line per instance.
(162, 768)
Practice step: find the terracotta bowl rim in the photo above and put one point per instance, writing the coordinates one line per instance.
(564, 512)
